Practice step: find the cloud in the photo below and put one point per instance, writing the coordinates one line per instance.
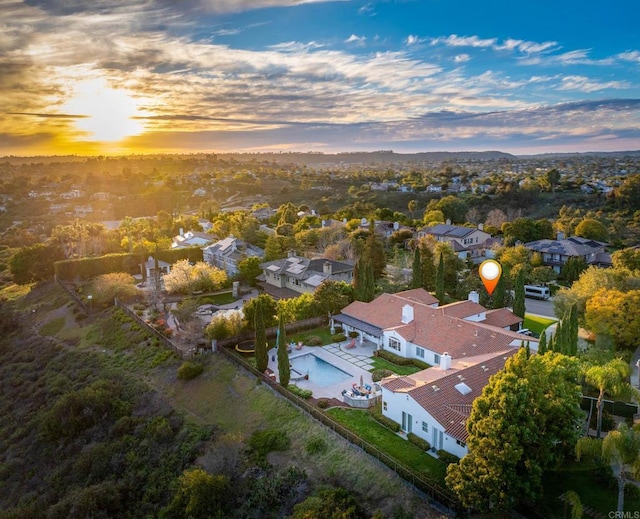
(633, 56)
(355, 39)
(464, 41)
(367, 9)
(413, 40)
(584, 84)
(230, 6)
(461, 58)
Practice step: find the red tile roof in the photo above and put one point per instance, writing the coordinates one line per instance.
(462, 309)
(502, 317)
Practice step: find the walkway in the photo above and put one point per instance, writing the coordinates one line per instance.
(360, 355)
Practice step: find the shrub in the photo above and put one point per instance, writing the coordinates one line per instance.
(313, 340)
(338, 337)
(393, 358)
(302, 393)
(420, 364)
(316, 446)
(447, 457)
(323, 403)
(338, 329)
(378, 374)
(354, 334)
(264, 441)
(418, 442)
(189, 370)
(631, 491)
(376, 413)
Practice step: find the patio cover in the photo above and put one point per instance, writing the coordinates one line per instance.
(358, 324)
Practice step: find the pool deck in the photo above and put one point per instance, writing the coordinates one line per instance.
(354, 361)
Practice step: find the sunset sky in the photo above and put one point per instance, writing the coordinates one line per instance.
(146, 76)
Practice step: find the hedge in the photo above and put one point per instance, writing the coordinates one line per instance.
(418, 442)
(298, 391)
(402, 361)
(377, 415)
(447, 457)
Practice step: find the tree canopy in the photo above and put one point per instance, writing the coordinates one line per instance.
(522, 424)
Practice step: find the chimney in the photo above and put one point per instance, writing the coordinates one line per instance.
(396, 226)
(407, 314)
(481, 227)
(344, 220)
(327, 268)
(474, 296)
(445, 361)
(559, 235)
(291, 253)
(324, 223)
(181, 231)
(448, 222)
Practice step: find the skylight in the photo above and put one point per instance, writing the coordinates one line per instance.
(463, 388)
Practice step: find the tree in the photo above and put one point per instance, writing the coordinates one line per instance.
(363, 283)
(416, 279)
(269, 308)
(621, 448)
(333, 296)
(519, 307)
(573, 267)
(611, 378)
(284, 370)
(261, 347)
(440, 279)
(627, 258)
(412, 206)
(185, 278)
(526, 230)
(453, 208)
(374, 253)
(592, 229)
(433, 217)
(273, 248)
(116, 284)
(523, 423)
(615, 313)
(499, 295)
(249, 269)
(329, 503)
(199, 495)
(515, 258)
(542, 343)
(34, 263)
(552, 178)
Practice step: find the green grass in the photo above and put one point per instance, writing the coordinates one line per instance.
(537, 324)
(218, 299)
(323, 332)
(53, 327)
(380, 363)
(361, 423)
(13, 292)
(579, 478)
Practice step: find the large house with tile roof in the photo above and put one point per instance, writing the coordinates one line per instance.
(555, 253)
(465, 342)
(466, 242)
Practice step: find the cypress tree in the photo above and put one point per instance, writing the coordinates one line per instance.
(283, 357)
(542, 345)
(559, 339)
(551, 343)
(369, 286)
(262, 357)
(518, 304)
(357, 280)
(428, 268)
(572, 331)
(498, 295)
(440, 279)
(416, 280)
(374, 252)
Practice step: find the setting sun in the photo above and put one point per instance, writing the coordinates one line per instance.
(107, 113)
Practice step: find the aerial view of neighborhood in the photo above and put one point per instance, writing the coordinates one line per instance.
(313, 259)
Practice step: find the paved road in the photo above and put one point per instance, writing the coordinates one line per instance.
(535, 306)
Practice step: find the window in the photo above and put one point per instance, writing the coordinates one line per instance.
(394, 343)
(436, 358)
(461, 443)
(384, 406)
(425, 427)
(419, 352)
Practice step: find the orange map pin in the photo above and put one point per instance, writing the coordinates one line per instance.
(490, 272)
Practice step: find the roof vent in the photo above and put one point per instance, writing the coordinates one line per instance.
(435, 388)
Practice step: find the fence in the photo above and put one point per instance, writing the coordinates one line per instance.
(185, 354)
(304, 324)
(72, 294)
(439, 497)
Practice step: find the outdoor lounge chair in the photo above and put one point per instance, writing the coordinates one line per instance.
(352, 344)
(299, 346)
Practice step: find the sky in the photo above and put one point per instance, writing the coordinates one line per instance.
(187, 76)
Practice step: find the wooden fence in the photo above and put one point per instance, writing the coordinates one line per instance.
(185, 354)
(439, 497)
(73, 295)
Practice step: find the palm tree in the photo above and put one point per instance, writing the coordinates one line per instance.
(611, 378)
(620, 448)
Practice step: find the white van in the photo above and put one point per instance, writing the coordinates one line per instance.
(536, 292)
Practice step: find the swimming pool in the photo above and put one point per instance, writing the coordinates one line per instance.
(320, 372)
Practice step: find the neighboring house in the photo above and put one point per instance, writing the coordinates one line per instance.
(83, 210)
(301, 275)
(228, 253)
(150, 271)
(383, 228)
(264, 213)
(467, 242)
(191, 239)
(555, 253)
(464, 341)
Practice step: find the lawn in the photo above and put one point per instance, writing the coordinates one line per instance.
(380, 363)
(536, 324)
(405, 452)
(323, 332)
(218, 299)
(579, 477)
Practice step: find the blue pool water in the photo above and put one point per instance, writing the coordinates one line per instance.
(320, 372)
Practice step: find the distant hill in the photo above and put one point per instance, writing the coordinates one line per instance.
(369, 157)
(610, 154)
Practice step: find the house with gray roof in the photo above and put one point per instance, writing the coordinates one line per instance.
(555, 253)
(228, 253)
(467, 242)
(294, 275)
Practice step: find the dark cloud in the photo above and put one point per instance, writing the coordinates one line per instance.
(49, 116)
(70, 7)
